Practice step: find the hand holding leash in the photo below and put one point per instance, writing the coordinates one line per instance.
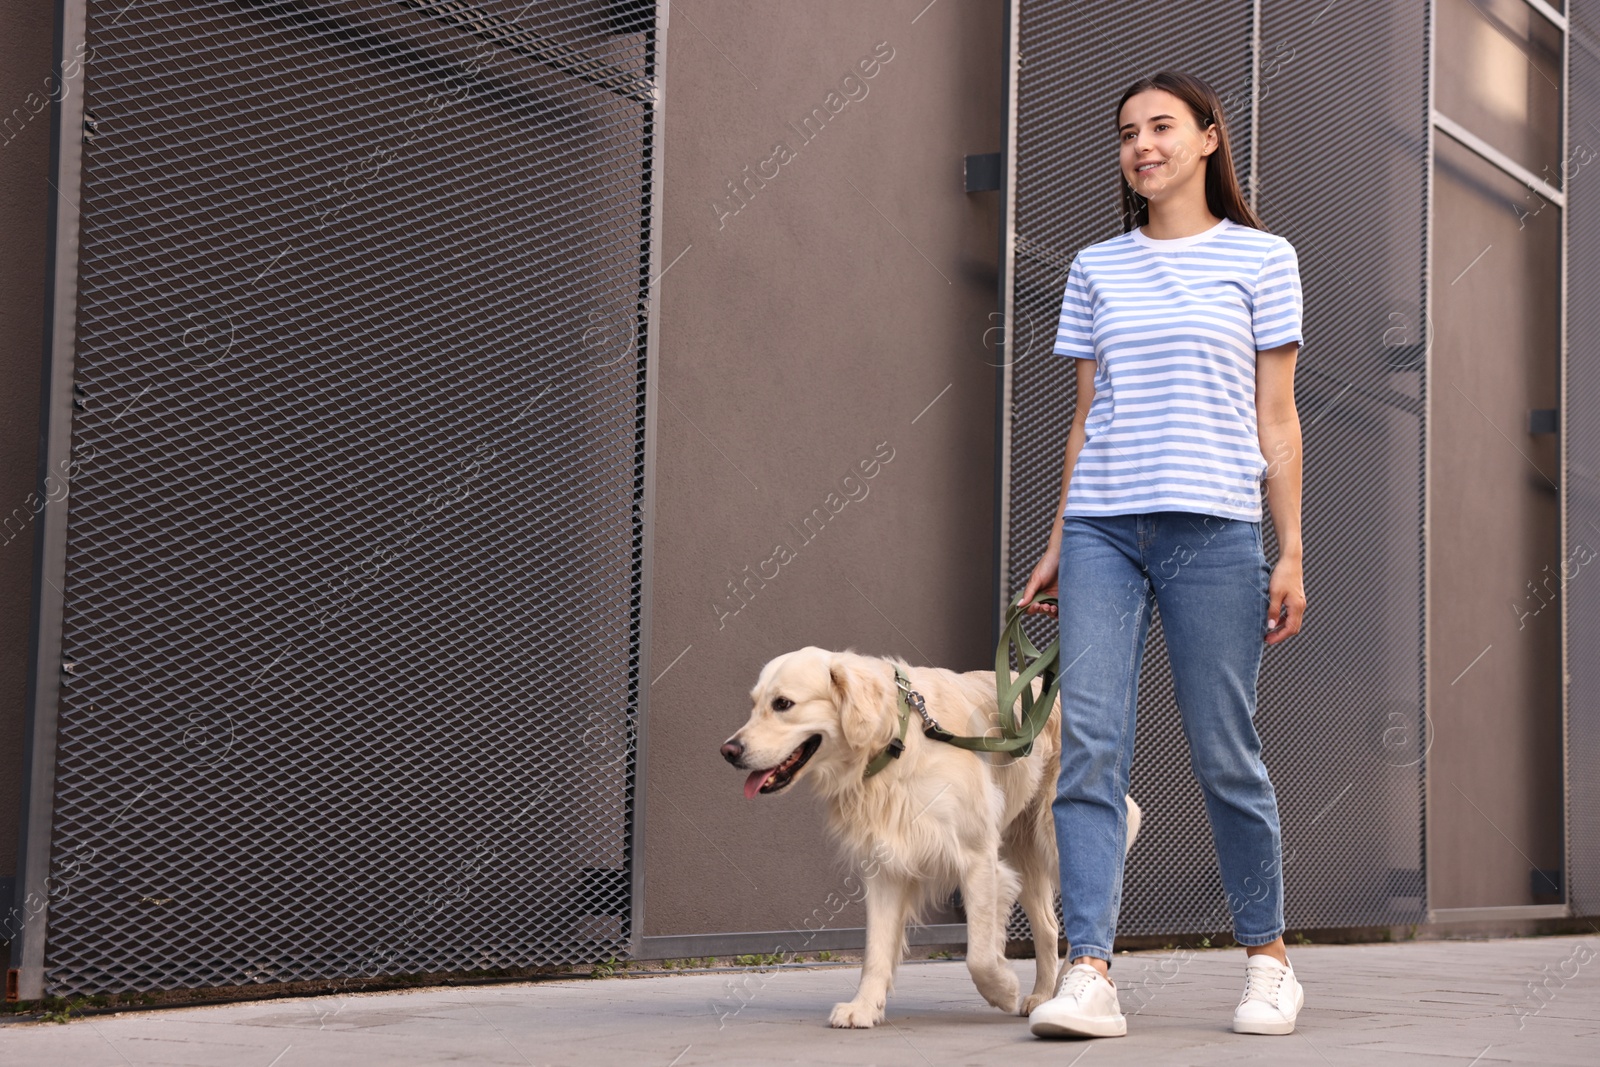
(1045, 603)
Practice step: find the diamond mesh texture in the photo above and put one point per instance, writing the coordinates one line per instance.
(352, 588)
(1340, 706)
(1582, 430)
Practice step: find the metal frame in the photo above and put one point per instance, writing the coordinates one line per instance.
(1425, 770)
(1004, 348)
(684, 946)
(27, 921)
(1255, 102)
(1554, 16)
(1493, 155)
(1561, 451)
(652, 377)
(33, 889)
(1499, 913)
(1578, 446)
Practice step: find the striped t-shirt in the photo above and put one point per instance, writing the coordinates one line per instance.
(1173, 326)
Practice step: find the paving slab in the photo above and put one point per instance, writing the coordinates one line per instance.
(1470, 1003)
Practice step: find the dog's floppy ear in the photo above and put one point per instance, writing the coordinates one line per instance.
(864, 699)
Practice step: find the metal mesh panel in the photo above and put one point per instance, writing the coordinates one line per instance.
(1582, 431)
(352, 596)
(1340, 706)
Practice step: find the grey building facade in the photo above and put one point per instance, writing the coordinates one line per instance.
(427, 418)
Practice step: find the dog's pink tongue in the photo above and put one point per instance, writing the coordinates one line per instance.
(757, 779)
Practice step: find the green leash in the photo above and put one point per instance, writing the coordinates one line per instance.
(1016, 737)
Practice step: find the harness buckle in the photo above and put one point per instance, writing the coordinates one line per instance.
(896, 747)
(930, 725)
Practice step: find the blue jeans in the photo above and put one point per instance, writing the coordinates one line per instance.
(1209, 576)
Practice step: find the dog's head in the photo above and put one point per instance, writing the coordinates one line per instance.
(814, 711)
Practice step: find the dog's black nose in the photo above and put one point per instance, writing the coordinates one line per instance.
(733, 752)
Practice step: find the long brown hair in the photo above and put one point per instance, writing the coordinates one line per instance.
(1223, 197)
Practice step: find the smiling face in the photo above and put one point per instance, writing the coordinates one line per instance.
(1163, 146)
(812, 711)
(793, 714)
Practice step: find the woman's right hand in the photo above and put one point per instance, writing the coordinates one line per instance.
(1043, 581)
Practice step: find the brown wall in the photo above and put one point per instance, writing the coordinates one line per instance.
(27, 52)
(801, 334)
(797, 337)
(1495, 766)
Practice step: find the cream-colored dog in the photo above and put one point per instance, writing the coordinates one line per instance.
(936, 818)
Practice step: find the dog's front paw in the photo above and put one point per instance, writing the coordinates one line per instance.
(999, 986)
(1032, 1002)
(855, 1015)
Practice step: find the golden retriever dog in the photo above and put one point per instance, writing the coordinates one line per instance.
(936, 818)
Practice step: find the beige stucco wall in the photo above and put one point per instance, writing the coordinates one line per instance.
(801, 334)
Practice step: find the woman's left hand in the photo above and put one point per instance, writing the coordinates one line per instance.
(1288, 586)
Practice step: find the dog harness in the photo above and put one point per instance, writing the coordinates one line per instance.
(1016, 735)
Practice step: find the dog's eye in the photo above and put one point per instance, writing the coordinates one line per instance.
(781, 703)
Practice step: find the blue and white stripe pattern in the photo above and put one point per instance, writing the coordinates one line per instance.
(1174, 326)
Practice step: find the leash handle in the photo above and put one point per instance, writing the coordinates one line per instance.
(1017, 734)
(1032, 663)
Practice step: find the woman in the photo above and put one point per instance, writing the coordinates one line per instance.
(1185, 330)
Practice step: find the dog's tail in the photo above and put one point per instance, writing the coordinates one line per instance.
(1135, 817)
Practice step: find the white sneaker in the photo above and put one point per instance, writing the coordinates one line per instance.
(1085, 1005)
(1272, 998)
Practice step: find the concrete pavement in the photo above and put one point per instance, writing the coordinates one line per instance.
(1469, 1003)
